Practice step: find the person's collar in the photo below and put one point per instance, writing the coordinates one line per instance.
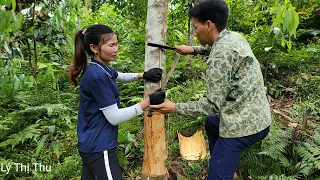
(221, 34)
(101, 64)
(98, 62)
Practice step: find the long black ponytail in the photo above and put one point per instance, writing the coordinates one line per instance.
(97, 35)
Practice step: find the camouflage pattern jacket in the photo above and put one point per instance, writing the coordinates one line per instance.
(235, 88)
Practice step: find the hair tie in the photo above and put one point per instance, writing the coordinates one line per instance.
(84, 31)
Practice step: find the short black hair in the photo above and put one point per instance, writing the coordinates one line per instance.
(216, 11)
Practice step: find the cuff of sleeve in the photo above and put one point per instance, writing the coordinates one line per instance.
(196, 49)
(138, 109)
(135, 76)
(178, 108)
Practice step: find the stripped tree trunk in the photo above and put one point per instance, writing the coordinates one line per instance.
(155, 155)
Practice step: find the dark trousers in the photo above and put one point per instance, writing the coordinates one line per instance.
(225, 152)
(101, 166)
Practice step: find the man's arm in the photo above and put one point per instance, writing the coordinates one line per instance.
(185, 50)
(197, 108)
(203, 50)
(218, 81)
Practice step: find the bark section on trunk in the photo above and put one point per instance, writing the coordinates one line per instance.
(155, 154)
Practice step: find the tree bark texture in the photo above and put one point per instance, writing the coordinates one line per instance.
(155, 154)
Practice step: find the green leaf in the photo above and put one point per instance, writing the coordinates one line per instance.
(128, 148)
(22, 77)
(42, 66)
(29, 81)
(54, 83)
(122, 138)
(16, 83)
(55, 147)
(8, 3)
(179, 34)
(29, 132)
(286, 21)
(283, 42)
(60, 10)
(36, 33)
(17, 19)
(278, 16)
(41, 144)
(8, 18)
(295, 21)
(289, 44)
(73, 3)
(51, 129)
(291, 22)
(13, 2)
(3, 2)
(2, 21)
(4, 81)
(5, 45)
(50, 71)
(123, 160)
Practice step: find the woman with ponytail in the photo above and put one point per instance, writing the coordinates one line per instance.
(99, 110)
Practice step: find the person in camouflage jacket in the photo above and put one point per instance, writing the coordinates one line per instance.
(236, 104)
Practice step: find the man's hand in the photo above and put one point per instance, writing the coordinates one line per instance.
(184, 50)
(157, 97)
(166, 107)
(153, 75)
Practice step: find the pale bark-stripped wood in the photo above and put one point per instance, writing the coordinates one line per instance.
(193, 147)
(155, 154)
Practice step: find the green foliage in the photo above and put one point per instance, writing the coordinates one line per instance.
(275, 146)
(290, 153)
(310, 154)
(30, 132)
(11, 80)
(10, 21)
(277, 177)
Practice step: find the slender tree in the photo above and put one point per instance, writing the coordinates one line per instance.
(155, 154)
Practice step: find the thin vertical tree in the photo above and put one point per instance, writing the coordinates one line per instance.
(155, 154)
(191, 31)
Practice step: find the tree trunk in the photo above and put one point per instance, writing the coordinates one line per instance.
(35, 68)
(190, 37)
(155, 154)
(190, 43)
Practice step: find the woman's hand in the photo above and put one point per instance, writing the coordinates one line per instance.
(153, 75)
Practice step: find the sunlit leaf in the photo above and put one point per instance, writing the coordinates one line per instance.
(42, 66)
(13, 3)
